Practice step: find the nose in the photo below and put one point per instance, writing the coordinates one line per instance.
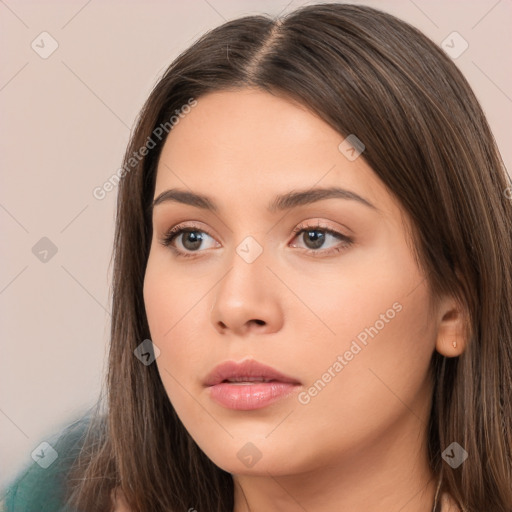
(248, 299)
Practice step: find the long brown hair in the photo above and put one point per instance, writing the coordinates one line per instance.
(367, 73)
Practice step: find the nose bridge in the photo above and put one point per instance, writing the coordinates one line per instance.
(248, 273)
(246, 294)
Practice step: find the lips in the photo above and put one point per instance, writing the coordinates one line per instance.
(248, 385)
(246, 371)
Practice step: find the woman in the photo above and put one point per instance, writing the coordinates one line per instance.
(315, 203)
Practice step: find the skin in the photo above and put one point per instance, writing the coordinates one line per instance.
(360, 443)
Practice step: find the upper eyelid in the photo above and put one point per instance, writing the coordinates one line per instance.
(179, 228)
(303, 225)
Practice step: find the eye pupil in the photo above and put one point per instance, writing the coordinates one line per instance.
(192, 240)
(317, 237)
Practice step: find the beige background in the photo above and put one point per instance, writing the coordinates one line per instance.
(65, 122)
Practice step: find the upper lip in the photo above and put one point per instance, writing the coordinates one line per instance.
(248, 368)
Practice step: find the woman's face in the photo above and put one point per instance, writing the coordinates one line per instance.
(323, 287)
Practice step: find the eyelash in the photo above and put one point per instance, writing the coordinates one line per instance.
(169, 237)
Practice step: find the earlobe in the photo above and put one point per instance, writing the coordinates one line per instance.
(451, 332)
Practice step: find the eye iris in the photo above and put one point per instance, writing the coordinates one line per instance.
(317, 236)
(191, 240)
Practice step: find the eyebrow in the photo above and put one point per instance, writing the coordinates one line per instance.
(282, 202)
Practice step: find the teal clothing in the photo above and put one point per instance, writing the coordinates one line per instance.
(40, 489)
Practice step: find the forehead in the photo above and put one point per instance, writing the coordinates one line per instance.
(249, 145)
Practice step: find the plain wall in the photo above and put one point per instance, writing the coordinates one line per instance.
(65, 124)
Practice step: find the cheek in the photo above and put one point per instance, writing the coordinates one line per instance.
(366, 288)
(375, 316)
(171, 298)
(175, 311)
(385, 340)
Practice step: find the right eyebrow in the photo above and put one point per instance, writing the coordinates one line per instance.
(185, 197)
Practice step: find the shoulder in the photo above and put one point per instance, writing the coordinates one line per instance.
(41, 486)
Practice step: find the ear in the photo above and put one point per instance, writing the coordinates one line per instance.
(452, 321)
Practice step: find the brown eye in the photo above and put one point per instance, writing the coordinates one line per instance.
(185, 241)
(191, 240)
(315, 238)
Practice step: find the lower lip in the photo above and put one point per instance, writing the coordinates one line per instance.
(246, 397)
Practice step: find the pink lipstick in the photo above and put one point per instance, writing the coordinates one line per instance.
(248, 385)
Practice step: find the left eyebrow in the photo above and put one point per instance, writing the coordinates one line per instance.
(303, 197)
(282, 202)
